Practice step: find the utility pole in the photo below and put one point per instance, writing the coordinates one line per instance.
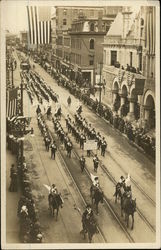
(100, 84)
(22, 115)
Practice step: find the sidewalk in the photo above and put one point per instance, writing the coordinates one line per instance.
(12, 198)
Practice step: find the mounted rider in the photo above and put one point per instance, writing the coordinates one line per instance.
(52, 192)
(128, 191)
(87, 217)
(95, 184)
(120, 187)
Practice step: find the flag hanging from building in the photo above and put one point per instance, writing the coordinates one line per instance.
(39, 21)
(11, 102)
(150, 30)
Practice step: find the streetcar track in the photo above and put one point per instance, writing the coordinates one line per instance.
(48, 179)
(103, 167)
(134, 182)
(73, 181)
(125, 173)
(80, 194)
(130, 238)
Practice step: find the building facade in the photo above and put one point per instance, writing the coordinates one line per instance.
(129, 65)
(70, 46)
(87, 35)
(61, 24)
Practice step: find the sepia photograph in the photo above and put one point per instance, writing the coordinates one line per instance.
(80, 124)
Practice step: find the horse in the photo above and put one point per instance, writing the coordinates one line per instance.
(128, 206)
(97, 196)
(119, 191)
(55, 201)
(89, 227)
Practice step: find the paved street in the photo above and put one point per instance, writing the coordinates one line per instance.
(121, 158)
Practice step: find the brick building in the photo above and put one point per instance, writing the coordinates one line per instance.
(87, 35)
(129, 64)
(66, 53)
(61, 23)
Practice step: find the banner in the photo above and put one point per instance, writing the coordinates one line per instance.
(39, 22)
(11, 102)
(90, 145)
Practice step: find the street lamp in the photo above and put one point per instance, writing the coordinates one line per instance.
(100, 84)
(12, 67)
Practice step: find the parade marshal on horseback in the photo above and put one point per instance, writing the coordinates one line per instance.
(124, 192)
(54, 199)
(89, 223)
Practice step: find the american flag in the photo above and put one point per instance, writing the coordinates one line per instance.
(39, 21)
(11, 102)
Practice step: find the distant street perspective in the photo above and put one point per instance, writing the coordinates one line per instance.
(80, 126)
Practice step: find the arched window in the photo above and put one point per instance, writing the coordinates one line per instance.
(92, 27)
(91, 44)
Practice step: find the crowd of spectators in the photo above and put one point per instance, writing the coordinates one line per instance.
(28, 215)
(138, 136)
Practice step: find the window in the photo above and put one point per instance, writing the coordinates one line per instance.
(92, 27)
(75, 12)
(107, 28)
(141, 32)
(91, 13)
(73, 43)
(142, 21)
(64, 21)
(113, 57)
(131, 59)
(140, 61)
(64, 12)
(91, 62)
(81, 12)
(91, 44)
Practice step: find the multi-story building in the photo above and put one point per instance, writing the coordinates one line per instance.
(24, 37)
(129, 64)
(62, 44)
(87, 35)
(61, 23)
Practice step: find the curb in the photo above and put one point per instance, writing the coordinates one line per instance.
(116, 130)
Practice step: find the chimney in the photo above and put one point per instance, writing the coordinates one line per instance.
(100, 13)
(126, 12)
